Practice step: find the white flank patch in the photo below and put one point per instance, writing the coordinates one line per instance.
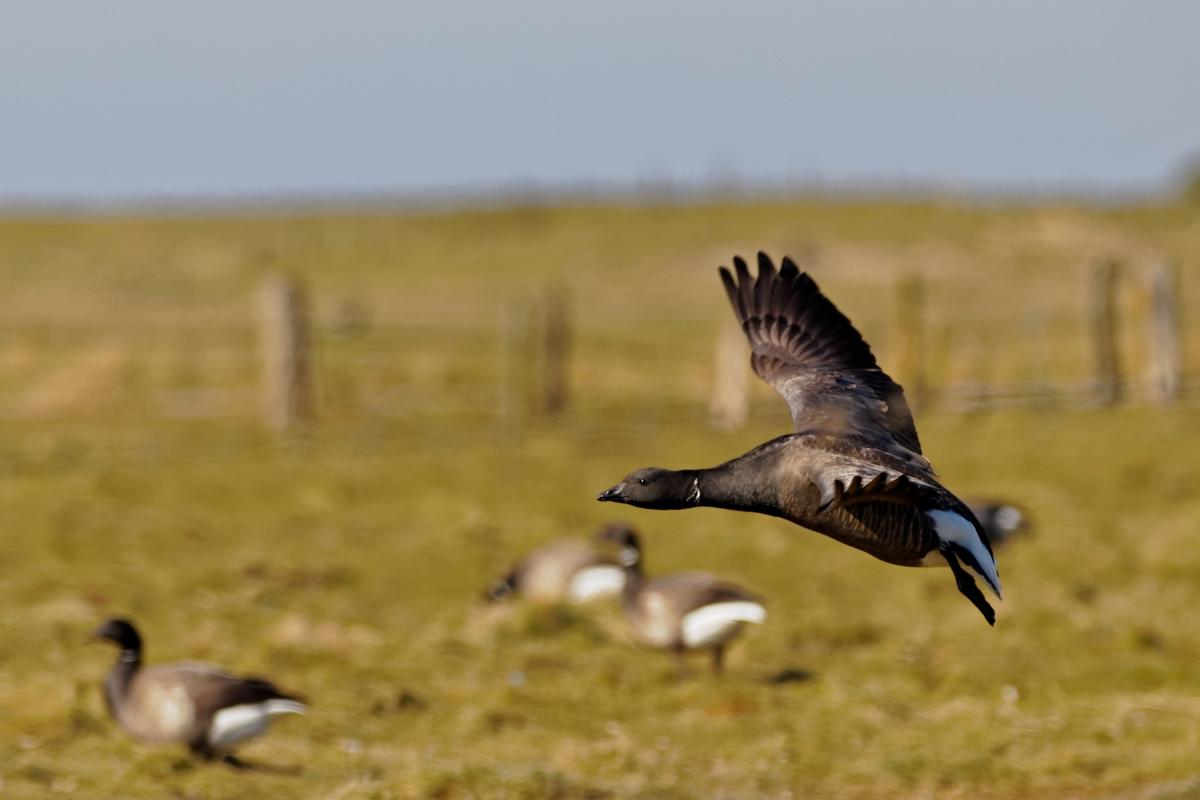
(952, 527)
(711, 625)
(592, 583)
(238, 723)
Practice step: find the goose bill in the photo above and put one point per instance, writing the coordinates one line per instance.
(614, 495)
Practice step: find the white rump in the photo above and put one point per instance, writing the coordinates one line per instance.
(592, 583)
(713, 624)
(238, 723)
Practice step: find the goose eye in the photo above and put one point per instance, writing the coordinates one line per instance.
(643, 482)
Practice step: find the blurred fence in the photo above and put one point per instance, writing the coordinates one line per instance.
(288, 351)
(526, 369)
(534, 351)
(1156, 374)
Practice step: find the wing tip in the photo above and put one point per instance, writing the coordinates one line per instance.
(765, 265)
(739, 266)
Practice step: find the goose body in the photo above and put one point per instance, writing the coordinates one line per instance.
(564, 570)
(684, 610)
(201, 705)
(853, 470)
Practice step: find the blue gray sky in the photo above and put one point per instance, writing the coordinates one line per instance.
(126, 100)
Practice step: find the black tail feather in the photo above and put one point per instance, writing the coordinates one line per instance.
(966, 585)
(970, 561)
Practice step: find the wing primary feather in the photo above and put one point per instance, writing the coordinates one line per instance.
(768, 288)
(732, 291)
(745, 287)
(742, 271)
(785, 288)
(765, 265)
(788, 270)
(762, 286)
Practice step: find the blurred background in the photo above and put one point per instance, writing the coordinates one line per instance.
(315, 318)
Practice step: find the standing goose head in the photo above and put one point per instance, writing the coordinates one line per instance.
(503, 588)
(1002, 521)
(626, 539)
(121, 633)
(657, 488)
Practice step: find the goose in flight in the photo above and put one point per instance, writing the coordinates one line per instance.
(853, 470)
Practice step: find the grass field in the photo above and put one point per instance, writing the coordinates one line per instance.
(347, 560)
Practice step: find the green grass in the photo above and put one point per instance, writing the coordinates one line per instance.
(347, 561)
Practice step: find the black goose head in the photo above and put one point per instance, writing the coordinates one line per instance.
(502, 588)
(623, 537)
(655, 488)
(1001, 521)
(121, 633)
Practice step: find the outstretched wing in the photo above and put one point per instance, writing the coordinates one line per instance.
(808, 350)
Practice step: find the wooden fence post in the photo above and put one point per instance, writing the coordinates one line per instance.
(1164, 365)
(729, 405)
(288, 390)
(516, 361)
(1104, 322)
(910, 340)
(556, 349)
(535, 348)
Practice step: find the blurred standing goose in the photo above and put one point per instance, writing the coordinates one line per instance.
(682, 611)
(853, 470)
(200, 705)
(563, 570)
(1002, 521)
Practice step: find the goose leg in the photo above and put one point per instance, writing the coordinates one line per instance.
(203, 749)
(718, 659)
(966, 585)
(680, 664)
